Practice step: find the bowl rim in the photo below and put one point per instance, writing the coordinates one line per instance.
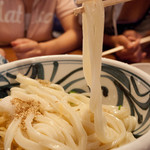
(114, 63)
(137, 144)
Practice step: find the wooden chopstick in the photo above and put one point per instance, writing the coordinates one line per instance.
(119, 48)
(106, 4)
(113, 50)
(145, 40)
(113, 2)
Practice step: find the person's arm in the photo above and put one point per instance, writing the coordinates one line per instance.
(133, 11)
(70, 40)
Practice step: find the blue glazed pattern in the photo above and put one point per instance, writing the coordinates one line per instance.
(69, 73)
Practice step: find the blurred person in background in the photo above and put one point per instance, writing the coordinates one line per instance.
(125, 25)
(27, 25)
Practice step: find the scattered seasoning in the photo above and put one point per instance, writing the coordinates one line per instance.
(24, 108)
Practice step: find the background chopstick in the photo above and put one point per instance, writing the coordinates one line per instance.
(119, 48)
(106, 3)
(145, 40)
(113, 2)
(113, 50)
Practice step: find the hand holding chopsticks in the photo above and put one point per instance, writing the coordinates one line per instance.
(119, 48)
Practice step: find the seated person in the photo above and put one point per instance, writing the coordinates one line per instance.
(27, 26)
(125, 33)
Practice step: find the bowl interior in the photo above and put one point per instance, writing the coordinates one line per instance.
(121, 84)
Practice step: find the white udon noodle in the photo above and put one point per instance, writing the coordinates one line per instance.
(44, 116)
(93, 27)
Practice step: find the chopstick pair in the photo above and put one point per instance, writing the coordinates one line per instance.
(119, 48)
(106, 3)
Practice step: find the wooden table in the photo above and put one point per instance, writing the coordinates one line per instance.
(10, 55)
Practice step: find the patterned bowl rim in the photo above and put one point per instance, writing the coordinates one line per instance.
(142, 142)
(112, 62)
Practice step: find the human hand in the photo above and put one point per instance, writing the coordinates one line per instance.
(26, 48)
(131, 42)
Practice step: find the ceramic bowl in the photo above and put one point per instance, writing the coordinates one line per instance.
(122, 84)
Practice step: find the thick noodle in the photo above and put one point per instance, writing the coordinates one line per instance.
(93, 30)
(66, 123)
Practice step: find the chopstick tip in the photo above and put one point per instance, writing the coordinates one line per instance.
(78, 10)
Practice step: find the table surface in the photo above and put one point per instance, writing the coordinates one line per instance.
(10, 55)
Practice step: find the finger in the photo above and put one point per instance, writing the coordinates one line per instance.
(138, 56)
(132, 33)
(35, 52)
(135, 56)
(24, 47)
(19, 41)
(135, 45)
(128, 45)
(132, 39)
(28, 54)
(132, 47)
